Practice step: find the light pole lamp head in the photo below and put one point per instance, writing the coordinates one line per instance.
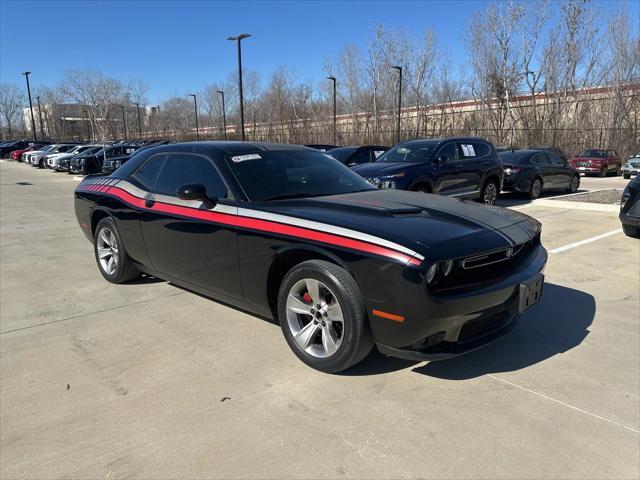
(220, 91)
(397, 67)
(26, 74)
(239, 37)
(333, 79)
(192, 95)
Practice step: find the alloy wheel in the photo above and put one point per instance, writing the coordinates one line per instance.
(107, 245)
(536, 188)
(575, 183)
(315, 318)
(490, 194)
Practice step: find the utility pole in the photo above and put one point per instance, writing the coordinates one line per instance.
(224, 115)
(333, 79)
(399, 69)
(139, 120)
(40, 115)
(33, 121)
(238, 39)
(195, 109)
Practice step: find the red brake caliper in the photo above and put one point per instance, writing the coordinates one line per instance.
(307, 298)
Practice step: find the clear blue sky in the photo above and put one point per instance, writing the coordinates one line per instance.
(177, 46)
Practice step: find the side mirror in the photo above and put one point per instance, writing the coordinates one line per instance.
(196, 191)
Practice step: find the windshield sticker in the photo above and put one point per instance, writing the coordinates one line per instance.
(244, 158)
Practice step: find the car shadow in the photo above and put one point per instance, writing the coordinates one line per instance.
(511, 199)
(145, 279)
(559, 323)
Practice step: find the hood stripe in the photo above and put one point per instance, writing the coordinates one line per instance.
(248, 219)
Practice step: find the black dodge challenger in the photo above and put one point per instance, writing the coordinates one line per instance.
(290, 233)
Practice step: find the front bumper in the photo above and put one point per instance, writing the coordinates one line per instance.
(77, 169)
(456, 325)
(631, 171)
(589, 169)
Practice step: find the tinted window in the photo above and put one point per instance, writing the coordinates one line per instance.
(514, 158)
(293, 173)
(540, 159)
(183, 168)
(554, 159)
(449, 151)
(146, 175)
(343, 154)
(410, 152)
(361, 156)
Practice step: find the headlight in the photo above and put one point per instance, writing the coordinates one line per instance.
(389, 181)
(447, 267)
(117, 164)
(81, 161)
(444, 268)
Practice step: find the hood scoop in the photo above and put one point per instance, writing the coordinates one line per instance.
(406, 212)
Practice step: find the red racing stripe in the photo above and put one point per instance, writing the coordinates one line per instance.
(260, 225)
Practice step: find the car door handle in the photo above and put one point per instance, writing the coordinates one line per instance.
(149, 203)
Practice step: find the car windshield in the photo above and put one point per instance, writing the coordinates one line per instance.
(276, 175)
(48, 148)
(593, 153)
(412, 152)
(342, 153)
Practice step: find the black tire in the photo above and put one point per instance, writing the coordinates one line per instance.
(631, 231)
(627, 176)
(619, 171)
(536, 188)
(489, 193)
(603, 172)
(421, 187)
(125, 270)
(356, 339)
(574, 184)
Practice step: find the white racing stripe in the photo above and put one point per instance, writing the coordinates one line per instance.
(273, 217)
(564, 248)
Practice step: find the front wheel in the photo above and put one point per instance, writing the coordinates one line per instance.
(113, 261)
(603, 172)
(322, 316)
(627, 176)
(489, 194)
(574, 185)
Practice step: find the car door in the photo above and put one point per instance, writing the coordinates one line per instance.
(546, 170)
(474, 158)
(194, 250)
(446, 168)
(561, 172)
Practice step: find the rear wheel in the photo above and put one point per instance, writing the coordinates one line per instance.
(536, 189)
(421, 188)
(603, 172)
(113, 261)
(489, 193)
(631, 231)
(627, 176)
(322, 316)
(619, 170)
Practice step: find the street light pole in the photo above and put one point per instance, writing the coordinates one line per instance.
(124, 123)
(224, 115)
(238, 39)
(40, 115)
(195, 109)
(139, 120)
(399, 69)
(33, 121)
(333, 79)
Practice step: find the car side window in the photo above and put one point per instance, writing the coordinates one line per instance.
(184, 168)
(147, 173)
(361, 156)
(377, 153)
(539, 159)
(448, 151)
(554, 159)
(466, 150)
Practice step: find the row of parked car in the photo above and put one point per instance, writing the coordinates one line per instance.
(462, 167)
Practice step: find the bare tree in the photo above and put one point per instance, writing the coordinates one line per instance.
(11, 102)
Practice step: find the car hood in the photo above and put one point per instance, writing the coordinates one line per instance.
(434, 226)
(376, 169)
(588, 159)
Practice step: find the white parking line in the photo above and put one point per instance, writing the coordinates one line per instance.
(584, 242)
(563, 403)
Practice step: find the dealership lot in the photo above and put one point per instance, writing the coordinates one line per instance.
(147, 380)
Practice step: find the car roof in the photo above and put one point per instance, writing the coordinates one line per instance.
(438, 141)
(230, 147)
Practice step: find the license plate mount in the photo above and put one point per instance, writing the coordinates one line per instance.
(531, 292)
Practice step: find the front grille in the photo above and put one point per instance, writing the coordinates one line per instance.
(482, 326)
(474, 271)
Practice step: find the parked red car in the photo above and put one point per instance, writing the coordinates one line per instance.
(597, 161)
(15, 155)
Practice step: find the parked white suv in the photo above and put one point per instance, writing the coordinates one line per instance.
(52, 159)
(37, 160)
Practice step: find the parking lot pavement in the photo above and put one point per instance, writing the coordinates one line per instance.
(150, 381)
